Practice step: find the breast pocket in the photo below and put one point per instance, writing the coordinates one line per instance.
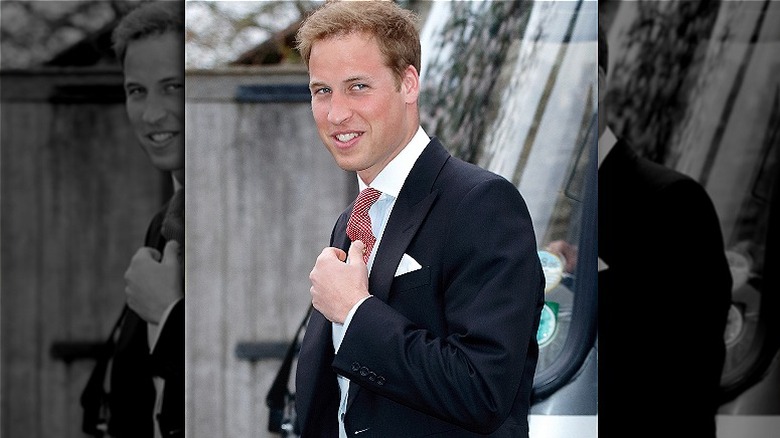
(413, 279)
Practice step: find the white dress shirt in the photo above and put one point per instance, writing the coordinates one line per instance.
(389, 182)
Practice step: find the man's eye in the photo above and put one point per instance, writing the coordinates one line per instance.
(173, 87)
(321, 90)
(134, 91)
(359, 87)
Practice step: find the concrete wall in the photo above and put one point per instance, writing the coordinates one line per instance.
(263, 194)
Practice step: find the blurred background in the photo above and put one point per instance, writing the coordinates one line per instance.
(695, 86)
(77, 194)
(510, 85)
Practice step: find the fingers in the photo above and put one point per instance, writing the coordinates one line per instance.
(336, 286)
(148, 252)
(356, 251)
(330, 252)
(169, 255)
(326, 256)
(171, 252)
(153, 281)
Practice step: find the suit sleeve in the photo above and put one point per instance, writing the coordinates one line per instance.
(168, 353)
(491, 288)
(693, 280)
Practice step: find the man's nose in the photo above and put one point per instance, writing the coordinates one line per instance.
(340, 110)
(154, 111)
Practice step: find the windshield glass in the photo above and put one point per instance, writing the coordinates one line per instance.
(512, 87)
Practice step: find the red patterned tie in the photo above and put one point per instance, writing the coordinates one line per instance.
(173, 221)
(359, 225)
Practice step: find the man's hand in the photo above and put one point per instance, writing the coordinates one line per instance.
(337, 286)
(152, 284)
(567, 252)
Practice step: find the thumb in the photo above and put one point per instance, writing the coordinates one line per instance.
(171, 252)
(356, 250)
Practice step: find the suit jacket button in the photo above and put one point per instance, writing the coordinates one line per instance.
(380, 380)
(364, 371)
(355, 367)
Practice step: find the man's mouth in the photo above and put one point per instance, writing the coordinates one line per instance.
(347, 136)
(161, 137)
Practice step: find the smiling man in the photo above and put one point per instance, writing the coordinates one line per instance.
(154, 87)
(427, 303)
(146, 384)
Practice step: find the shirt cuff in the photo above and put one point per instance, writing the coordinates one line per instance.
(153, 330)
(347, 320)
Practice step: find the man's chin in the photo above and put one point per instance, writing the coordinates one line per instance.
(166, 164)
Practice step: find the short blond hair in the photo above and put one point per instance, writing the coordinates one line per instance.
(152, 18)
(395, 30)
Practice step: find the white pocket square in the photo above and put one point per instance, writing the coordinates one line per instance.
(603, 266)
(408, 264)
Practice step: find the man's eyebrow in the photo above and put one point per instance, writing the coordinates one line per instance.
(356, 79)
(131, 80)
(316, 84)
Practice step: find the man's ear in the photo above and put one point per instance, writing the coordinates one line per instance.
(410, 84)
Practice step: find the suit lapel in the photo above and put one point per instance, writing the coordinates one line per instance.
(415, 200)
(340, 239)
(412, 206)
(402, 226)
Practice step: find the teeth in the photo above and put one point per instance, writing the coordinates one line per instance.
(347, 137)
(159, 137)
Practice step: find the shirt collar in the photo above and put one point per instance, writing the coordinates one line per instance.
(606, 142)
(392, 177)
(176, 184)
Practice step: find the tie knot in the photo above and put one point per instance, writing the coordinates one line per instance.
(365, 200)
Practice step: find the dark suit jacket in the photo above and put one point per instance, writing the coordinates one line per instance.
(663, 300)
(132, 395)
(450, 349)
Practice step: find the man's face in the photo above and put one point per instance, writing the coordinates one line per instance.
(363, 117)
(154, 90)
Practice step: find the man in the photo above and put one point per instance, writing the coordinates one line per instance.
(146, 384)
(664, 292)
(425, 324)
